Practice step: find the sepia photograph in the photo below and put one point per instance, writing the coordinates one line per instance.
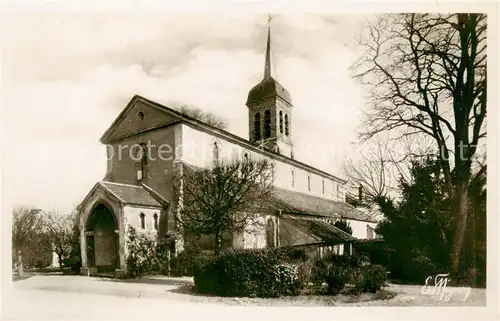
(163, 164)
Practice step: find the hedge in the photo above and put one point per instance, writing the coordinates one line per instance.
(251, 273)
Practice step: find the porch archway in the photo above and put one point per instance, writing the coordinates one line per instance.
(102, 239)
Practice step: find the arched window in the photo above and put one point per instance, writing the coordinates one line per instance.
(143, 221)
(309, 183)
(155, 219)
(281, 122)
(270, 233)
(323, 186)
(215, 153)
(245, 157)
(293, 178)
(256, 126)
(267, 124)
(286, 124)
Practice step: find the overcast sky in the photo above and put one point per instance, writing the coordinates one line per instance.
(67, 77)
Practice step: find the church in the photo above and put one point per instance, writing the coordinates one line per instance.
(149, 144)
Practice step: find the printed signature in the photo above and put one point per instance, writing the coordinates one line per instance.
(440, 291)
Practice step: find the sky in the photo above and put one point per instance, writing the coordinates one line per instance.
(67, 76)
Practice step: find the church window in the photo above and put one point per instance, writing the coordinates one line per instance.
(281, 122)
(155, 220)
(309, 183)
(293, 178)
(286, 124)
(256, 126)
(140, 115)
(215, 153)
(143, 221)
(323, 186)
(267, 124)
(245, 157)
(338, 190)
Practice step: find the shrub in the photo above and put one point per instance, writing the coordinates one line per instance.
(335, 274)
(305, 272)
(337, 270)
(205, 278)
(249, 273)
(146, 254)
(190, 259)
(371, 278)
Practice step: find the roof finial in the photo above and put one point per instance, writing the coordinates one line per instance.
(267, 67)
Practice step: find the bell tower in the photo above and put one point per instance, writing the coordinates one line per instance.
(270, 110)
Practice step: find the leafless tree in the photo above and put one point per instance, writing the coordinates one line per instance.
(426, 74)
(59, 228)
(226, 198)
(26, 222)
(380, 164)
(206, 117)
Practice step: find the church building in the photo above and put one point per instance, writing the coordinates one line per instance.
(149, 144)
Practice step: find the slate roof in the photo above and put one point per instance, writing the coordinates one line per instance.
(130, 194)
(326, 231)
(297, 202)
(268, 88)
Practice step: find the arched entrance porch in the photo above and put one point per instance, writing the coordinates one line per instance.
(102, 239)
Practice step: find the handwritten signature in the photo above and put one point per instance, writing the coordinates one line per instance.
(439, 289)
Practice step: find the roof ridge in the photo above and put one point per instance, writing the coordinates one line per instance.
(122, 184)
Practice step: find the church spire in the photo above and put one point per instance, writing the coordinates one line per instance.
(267, 67)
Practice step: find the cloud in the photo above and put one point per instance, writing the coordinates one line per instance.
(67, 77)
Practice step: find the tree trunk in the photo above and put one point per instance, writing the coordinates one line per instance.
(462, 202)
(20, 269)
(218, 242)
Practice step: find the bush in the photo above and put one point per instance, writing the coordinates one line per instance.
(305, 271)
(249, 273)
(189, 260)
(146, 254)
(205, 278)
(335, 274)
(337, 270)
(371, 278)
(73, 263)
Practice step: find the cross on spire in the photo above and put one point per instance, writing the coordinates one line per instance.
(267, 66)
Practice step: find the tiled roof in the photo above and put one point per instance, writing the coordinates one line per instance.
(326, 231)
(297, 202)
(130, 194)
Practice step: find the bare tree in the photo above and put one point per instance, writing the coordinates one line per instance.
(226, 198)
(381, 163)
(369, 173)
(26, 222)
(206, 117)
(427, 75)
(59, 228)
